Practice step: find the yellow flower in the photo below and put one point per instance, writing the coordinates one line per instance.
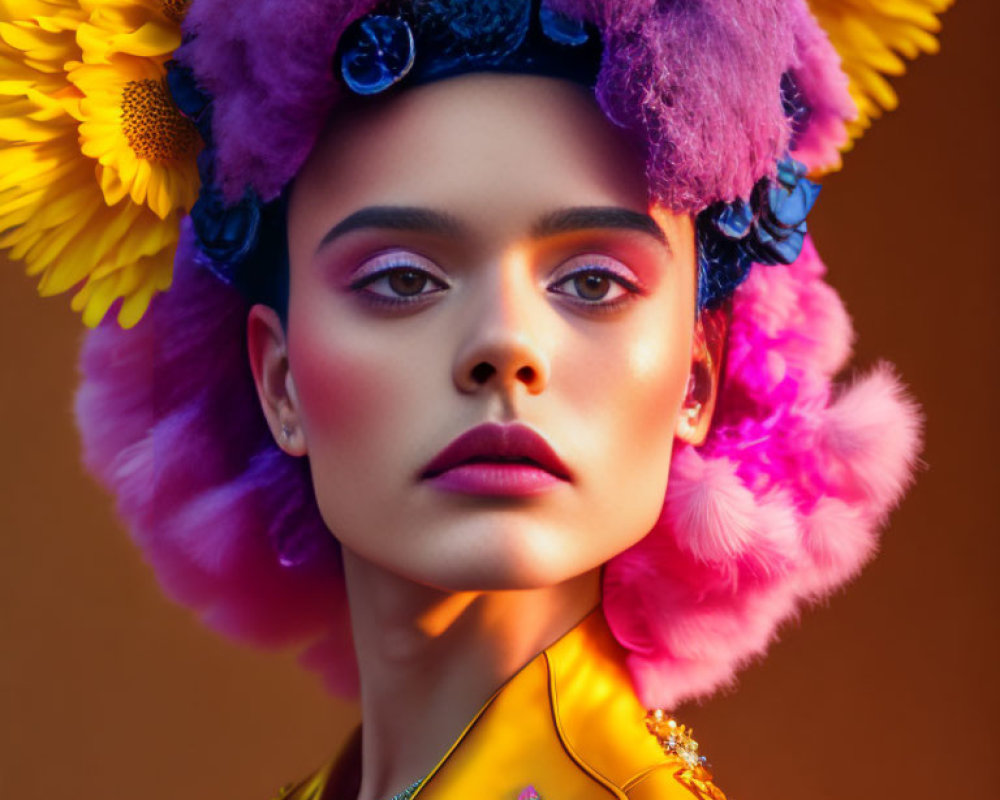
(127, 120)
(128, 123)
(96, 165)
(873, 37)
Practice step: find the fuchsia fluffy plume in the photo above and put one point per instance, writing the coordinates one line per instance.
(779, 506)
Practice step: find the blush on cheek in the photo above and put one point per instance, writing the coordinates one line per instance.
(339, 391)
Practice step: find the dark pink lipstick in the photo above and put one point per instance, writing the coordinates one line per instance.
(497, 460)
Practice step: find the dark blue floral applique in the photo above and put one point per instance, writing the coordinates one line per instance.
(377, 51)
(770, 229)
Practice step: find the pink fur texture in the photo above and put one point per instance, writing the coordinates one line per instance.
(170, 423)
(697, 81)
(821, 80)
(778, 507)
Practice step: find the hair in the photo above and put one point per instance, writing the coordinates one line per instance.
(265, 276)
(780, 504)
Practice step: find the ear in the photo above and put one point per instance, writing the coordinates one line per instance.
(268, 353)
(707, 352)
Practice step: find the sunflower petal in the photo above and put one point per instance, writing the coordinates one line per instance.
(873, 37)
(85, 202)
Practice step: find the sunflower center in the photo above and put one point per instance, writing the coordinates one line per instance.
(174, 10)
(152, 125)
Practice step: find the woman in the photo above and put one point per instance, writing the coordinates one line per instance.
(483, 264)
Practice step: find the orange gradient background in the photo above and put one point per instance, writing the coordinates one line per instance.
(886, 691)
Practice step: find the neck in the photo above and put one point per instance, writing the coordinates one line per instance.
(429, 659)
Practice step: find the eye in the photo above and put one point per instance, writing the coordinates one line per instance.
(592, 285)
(398, 278)
(401, 282)
(596, 281)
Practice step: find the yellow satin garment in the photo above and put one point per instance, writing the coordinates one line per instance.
(568, 725)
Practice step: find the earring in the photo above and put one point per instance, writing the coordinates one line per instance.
(695, 397)
(286, 432)
(688, 422)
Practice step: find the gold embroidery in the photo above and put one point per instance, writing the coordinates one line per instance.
(677, 740)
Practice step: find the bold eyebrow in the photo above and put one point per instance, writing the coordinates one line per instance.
(396, 218)
(587, 217)
(426, 220)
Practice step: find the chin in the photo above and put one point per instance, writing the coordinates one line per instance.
(511, 556)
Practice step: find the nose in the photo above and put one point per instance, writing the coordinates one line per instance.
(503, 364)
(502, 350)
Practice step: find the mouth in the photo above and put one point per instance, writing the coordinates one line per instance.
(498, 460)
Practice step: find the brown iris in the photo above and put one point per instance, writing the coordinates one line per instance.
(592, 286)
(407, 282)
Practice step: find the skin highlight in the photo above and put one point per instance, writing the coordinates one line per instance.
(477, 250)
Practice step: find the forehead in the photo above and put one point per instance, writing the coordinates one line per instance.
(489, 147)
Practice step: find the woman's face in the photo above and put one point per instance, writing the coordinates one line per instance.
(481, 250)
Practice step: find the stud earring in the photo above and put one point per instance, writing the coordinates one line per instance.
(688, 422)
(286, 432)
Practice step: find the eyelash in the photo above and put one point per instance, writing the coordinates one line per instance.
(604, 267)
(382, 268)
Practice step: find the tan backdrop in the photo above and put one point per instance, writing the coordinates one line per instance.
(887, 691)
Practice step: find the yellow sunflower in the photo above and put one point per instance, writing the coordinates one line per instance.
(873, 37)
(127, 120)
(129, 124)
(96, 165)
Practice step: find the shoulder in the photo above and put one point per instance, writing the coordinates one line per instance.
(634, 753)
(671, 770)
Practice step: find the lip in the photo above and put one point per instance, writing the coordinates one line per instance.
(497, 460)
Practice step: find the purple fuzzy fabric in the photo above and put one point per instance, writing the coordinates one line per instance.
(780, 506)
(170, 423)
(698, 80)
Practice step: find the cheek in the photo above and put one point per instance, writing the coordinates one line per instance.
(651, 389)
(340, 391)
(635, 382)
(629, 401)
(656, 371)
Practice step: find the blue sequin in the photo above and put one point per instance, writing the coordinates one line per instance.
(789, 208)
(470, 32)
(226, 234)
(790, 172)
(461, 36)
(560, 28)
(380, 53)
(189, 98)
(769, 229)
(732, 220)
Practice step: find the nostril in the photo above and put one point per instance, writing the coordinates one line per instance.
(482, 372)
(526, 375)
